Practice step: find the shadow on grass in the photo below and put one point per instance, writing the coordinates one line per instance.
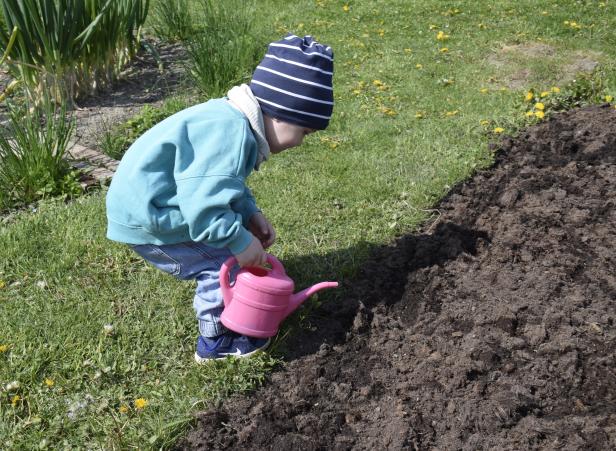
(328, 317)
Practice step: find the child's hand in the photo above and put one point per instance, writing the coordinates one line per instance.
(262, 229)
(253, 255)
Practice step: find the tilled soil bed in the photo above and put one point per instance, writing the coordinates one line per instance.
(493, 329)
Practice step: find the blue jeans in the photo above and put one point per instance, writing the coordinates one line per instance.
(193, 260)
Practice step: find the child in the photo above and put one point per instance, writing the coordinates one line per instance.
(179, 196)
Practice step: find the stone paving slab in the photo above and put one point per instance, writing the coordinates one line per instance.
(96, 164)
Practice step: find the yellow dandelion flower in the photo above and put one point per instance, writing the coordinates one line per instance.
(381, 32)
(443, 50)
(529, 96)
(609, 98)
(484, 90)
(49, 382)
(555, 89)
(357, 91)
(451, 113)
(540, 114)
(451, 12)
(141, 403)
(529, 114)
(346, 8)
(377, 83)
(387, 111)
(123, 408)
(544, 94)
(484, 122)
(419, 66)
(15, 399)
(499, 130)
(540, 106)
(441, 36)
(419, 115)
(4, 348)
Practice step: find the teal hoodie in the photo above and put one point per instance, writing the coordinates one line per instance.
(184, 180)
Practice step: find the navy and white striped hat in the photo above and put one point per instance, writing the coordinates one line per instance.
(293, 82)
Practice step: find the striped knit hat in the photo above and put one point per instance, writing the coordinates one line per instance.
(293, 82)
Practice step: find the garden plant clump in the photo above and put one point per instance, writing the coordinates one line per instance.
(494, 328)
(33, 146)
(224, 51)
(70, 47)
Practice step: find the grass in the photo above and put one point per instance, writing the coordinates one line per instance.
(375, 173)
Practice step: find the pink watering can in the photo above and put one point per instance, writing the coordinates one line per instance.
(261, 298)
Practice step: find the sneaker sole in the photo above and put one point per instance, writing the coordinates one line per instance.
(201, 360)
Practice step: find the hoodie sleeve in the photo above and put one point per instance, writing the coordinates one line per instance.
(246, 206)
(205, 203)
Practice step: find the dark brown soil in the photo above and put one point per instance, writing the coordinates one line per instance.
(494, 329)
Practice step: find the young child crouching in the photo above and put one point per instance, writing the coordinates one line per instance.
(179, 196)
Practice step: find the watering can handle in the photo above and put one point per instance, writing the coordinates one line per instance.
(225, 284)
(276, 265)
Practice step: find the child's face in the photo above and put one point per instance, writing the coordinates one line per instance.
(283, 135)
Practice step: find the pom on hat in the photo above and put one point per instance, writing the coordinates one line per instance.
(293, 82)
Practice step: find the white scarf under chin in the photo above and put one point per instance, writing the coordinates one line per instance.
(242, 98)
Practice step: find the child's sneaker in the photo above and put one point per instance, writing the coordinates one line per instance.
(228, 344)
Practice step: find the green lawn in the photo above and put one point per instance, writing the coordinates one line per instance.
(87, 329)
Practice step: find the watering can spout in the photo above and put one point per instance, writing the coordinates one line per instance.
(301, 296)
